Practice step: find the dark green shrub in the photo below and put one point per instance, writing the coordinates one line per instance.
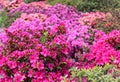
(29, 1)
(89, 5)
(68, 2)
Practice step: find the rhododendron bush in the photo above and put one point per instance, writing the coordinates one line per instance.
(46, 41)
(35, 54)
(106, 48)
(37, 48)
(18, 3)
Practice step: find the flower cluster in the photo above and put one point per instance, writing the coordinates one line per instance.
(30, 17)
(110, 23)
(34, 7)
(90, 18)
(105, 48)
(11, 4)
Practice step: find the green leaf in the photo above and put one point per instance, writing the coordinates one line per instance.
(43, 39)
(45, 33)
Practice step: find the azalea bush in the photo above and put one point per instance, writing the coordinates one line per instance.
(47, 47)
(101, 21)
(11, 4)
(111, 22)
(43, 42)
(19, 5)
(6, 11)
(78, 34)
(90, 18)
(105, 48)
(35, 54)
(34, 7)
(37, 48)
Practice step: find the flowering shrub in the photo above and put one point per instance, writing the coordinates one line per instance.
(35, 55)
(101, 21)
(19, 5)
(34, 7)
(36, 47)
(29, 17)
(105, 48)
(11, 4)
(46, 41)
(79, 35)
(110, 23)
(89, 18)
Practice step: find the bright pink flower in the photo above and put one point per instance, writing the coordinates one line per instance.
(12, 64)
(30, 73)
(45, 52)
(2, 61)
(18, 77)
(53, 54)
(33, 58)
(39, 75)
(40, 65)
(50, 66)
(84, 79)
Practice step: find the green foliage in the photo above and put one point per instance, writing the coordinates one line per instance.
(6, 19)
(68, 2)
(44, 38)
(108, 73)
(29, 1)
(89, 5)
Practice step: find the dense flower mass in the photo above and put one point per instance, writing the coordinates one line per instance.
(106, 48)
(11, 4)
(34, 7)
(90, 18)
(78, 35)
(46, 41)
(34, 54)
(38, 46)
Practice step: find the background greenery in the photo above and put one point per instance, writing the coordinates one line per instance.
(29, 1)
(89, 5)
(6, 19)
